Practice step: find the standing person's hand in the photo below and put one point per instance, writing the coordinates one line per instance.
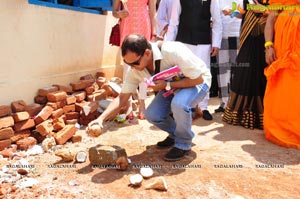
(122, 14)
(214, 51)
(270, 55)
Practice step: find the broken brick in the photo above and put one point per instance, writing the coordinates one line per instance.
(6, 122)
(65, 134)
(98, 95)
(71, 99)
(34, 109)
(4, 111)
(27, 124)
(6, 133)
(40, 99)
(73, 121)
(44, 128)
(67, 89)
(20, 135)
(69, 108)
(44, 91)
(72, 115)
(57, 113)
(80, 96)
(18, 106)
(57, 96)
(26, 143)
(20, 116)
(5, 144)
(43, 115)
(81, 84)
(76, 138)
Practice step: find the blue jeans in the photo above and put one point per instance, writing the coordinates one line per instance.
(180, 126)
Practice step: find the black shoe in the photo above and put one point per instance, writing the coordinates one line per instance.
(166, 142)
(206, 115)
(220, 110)
(175, 154)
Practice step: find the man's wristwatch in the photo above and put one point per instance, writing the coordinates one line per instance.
(168, 86)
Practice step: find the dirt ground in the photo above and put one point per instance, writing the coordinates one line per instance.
(226, 162)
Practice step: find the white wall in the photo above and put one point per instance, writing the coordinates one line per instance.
(41, 46)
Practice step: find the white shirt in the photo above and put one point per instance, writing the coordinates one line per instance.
(231, 26)
(171, 54)
(215, 11)
(163, 14)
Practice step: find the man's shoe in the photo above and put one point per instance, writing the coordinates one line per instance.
(219, 110)
(206, 115)
(166, 143)
(175, 154)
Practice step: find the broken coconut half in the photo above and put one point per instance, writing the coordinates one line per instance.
(81, 156)
(158, 184)
(136, 180)
(146, 172)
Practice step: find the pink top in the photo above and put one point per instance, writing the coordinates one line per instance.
(138, 21)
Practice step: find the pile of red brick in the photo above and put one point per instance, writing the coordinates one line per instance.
(55, 112)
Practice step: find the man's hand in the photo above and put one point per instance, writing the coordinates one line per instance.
(159, 85)
(214, 51)
(97, 121)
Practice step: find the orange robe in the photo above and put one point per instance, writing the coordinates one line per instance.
(282, 96)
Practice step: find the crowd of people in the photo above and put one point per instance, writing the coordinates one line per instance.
(257, 59)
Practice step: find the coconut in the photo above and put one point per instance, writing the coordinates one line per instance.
(146, 172)
(95, 130)
(136, 180)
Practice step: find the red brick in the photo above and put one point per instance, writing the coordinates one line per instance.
(8, 153)
(20, 135)
(79, 106)
(71, 99)
(73, 121)
(80, 96)
(81, 84)
(85, 120)
(67, 89)
(6, 133)
(72, 115)
(18, 106)
(4, 110)
(40, 99)
(26, 124)
(66, 133)
(57, 113)
(43, 115)
(5, 144)
(34, 109)
(76, 138)
(26, 143)
(57, 96)
(89, 90)
(98, 95)
(90, 108)
(69, 108)
(20, 116)
(58, 124)
(6, 122)
(87, 77)
(45, 127)
(44, 91)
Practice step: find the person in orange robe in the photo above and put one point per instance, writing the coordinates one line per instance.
(281, 101)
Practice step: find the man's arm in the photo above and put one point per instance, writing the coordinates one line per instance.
(215, 11)
(120, 102)
(182, 83)
(174, 21)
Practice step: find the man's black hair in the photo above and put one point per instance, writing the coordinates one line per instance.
(135, 43)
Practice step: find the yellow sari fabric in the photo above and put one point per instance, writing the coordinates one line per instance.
(282, 96)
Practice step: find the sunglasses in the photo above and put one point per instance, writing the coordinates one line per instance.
(135, 63)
